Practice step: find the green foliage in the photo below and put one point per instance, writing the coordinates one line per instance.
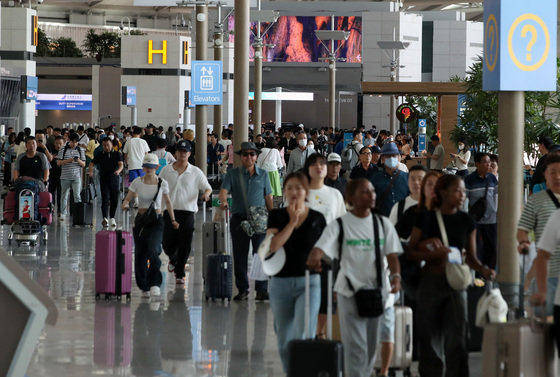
(42, 44)
(479, 120)
(426, 108)
(65, 47)
(104, 45)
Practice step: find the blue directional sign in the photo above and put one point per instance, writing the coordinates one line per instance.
(206, 82)
(520, 45)
(421, 135)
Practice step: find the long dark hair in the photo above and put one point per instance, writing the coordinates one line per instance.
(443, 183)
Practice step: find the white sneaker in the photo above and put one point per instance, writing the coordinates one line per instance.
(155, 291)
(113, 222)
(105, 222)
(61, 217)
(146, 294)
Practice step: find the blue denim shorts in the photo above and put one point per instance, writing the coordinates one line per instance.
(387, 333)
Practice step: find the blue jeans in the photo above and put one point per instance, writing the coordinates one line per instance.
(287, 301)
(147, 245)
(65, 185)
(551, 284)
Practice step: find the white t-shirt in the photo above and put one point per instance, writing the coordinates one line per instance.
(225, 142)
(162, 153)
(328, 201)
(402, 167)
(135, 150)
(465, 155)
(185, 187)
(358, 251)
(270, 160)
(408, 202)
(147, 192)
(549, 241)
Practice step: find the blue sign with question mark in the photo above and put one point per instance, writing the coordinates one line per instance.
(519, 45)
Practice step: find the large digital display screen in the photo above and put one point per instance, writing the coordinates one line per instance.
(63, 102)
(294, 39)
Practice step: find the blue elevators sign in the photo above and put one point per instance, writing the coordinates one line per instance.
(206, 82)
(519, 45)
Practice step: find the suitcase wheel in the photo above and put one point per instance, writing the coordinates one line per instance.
(106, 297)
(119, 297)
(128, 297)
(97, 297)
(207, 298)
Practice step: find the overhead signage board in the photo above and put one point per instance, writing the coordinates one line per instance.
(156, 52)
(206, 82)
(80, 102)
(520, 45)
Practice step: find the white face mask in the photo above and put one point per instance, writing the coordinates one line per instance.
(111, 137)
(302, 142)
(391, 162)
(461, 147)
(311, 146)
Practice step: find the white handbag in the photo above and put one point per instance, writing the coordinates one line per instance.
(459, 276)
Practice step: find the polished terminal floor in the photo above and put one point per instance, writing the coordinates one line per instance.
(178, 335)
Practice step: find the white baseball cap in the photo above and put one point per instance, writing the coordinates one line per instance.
(334, 157)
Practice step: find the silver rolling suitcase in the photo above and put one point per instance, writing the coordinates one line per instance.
(213, 239)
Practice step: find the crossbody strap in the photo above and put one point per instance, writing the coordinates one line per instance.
(377, 249)
(553, 198)
(442, 230)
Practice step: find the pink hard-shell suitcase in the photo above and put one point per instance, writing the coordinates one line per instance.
(9, 208)
(45, 207)
(113, 263)
(112, 337)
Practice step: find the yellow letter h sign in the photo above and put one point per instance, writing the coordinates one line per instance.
(151, 52)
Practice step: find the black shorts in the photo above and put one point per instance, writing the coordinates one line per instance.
(325, 268)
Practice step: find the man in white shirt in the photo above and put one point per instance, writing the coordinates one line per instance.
(185, 183)
(415, 177)
(134, 151)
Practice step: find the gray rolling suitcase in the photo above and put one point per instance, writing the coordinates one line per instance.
(213, 240)
(402, 353)
(518, 348)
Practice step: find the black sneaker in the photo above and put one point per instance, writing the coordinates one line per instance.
(261, 296)
(241, 296)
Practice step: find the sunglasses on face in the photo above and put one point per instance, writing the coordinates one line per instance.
(245, 154)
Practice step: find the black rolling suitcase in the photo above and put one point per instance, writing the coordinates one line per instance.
(82, 214)
(219, 270)
(310, 357)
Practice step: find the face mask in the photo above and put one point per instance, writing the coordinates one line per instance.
(303, 143)
(162, 135)
(461, 147)
(391, 162)
(111, 137)
(311, 146)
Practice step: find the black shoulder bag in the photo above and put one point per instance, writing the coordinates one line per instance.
(478, 209)
(370, 300)
(149, 217)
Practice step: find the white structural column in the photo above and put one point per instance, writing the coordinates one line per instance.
(241, 72)
(201, 110)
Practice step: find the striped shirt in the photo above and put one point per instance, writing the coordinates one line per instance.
(534, 217)
(71, 171)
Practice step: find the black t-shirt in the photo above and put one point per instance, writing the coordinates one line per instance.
(300, 242)
(358, 171)
(31, 167)
(407, 220)
(457, 226)
(54, 175)
(151, 140)
(108, 163)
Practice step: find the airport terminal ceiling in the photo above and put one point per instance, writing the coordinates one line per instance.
(473, 10)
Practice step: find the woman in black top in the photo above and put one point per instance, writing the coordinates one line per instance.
(296, 228)
(441, 310)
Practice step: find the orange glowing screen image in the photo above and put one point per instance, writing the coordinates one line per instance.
(295, 40)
